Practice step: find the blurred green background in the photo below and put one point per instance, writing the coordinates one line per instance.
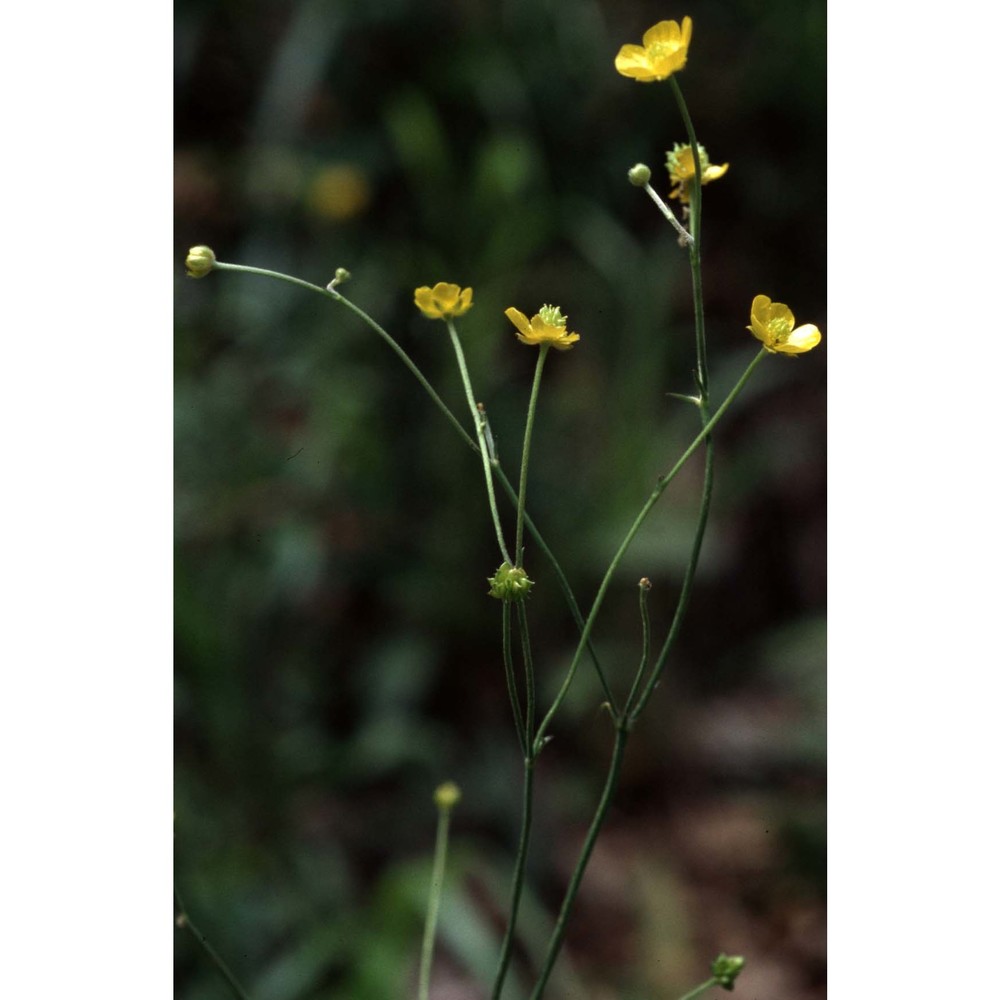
(337, 655)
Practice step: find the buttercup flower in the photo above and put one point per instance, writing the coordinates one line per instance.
(547, 326)
(680, 163)
(443, 300)
(664, 50)
(773, 324)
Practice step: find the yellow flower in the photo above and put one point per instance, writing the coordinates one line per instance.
(664, 50)
(443, 300)
(680, 163)
(547, 326)
(773, 324)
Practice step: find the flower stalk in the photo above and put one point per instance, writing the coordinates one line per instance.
(661, 484)
(526, 451)
(479, 423)
(445, 798)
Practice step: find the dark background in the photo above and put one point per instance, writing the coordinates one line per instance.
(337, 655)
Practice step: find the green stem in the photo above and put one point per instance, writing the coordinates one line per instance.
(529, 671)
(515, 702)
(434, 902)
(686, 238)
(506, 948)
(529, 424)
(694, 249)
(661, 485)
(329, 293)
(526, 808)
(477, 419)
(644, 659)
(686, 585)
(574, 608)
(184, 920)
(559, 932)
(698, 990)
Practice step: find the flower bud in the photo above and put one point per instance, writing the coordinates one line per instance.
(340, 276)
(509, 583)
(726, 968)
(200, 260)
(639, 175)
(447, 795)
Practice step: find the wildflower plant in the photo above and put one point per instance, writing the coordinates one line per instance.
(663, 54)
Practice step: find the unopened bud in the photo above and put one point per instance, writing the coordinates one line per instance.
(447, 795)
(639, 175)
(726, 968)
(200, 260)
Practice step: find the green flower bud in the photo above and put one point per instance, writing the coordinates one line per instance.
(639, 175)
(509, 583)
(200, 260)
(340, 276)
(726, 968)
(447, 795)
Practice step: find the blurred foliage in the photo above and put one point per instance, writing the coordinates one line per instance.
(337, 656)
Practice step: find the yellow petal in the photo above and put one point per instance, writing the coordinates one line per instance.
(665, 33)
(778, 312)
(686, 26)
(566, 341)
(519, 320)
(464, 302)
(446, 295)
(759, 307)
(423, 298)
(800, 340)
(713, 173)
(759, 330)
(632, 61)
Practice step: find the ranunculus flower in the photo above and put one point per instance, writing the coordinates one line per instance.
(664, 51)
(773, 324)
(443, 301)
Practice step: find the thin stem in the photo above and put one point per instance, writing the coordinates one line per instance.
(564, 585)
(695, 249)
(529, 671)
(434, 901)
(686, 586)
(515, 702)
(559, 932)
(698, 990)
(661, 485)
(478, 420)
(644, 586)
(526, 807)
(686, 238)
(329, 293)
(184, 920)
(529, 424)
(506, 948)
